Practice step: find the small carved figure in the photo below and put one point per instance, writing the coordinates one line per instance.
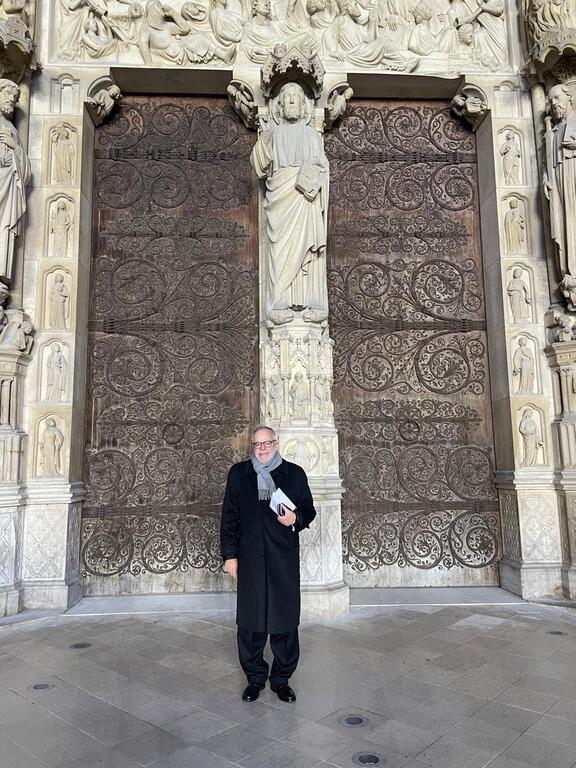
(299, 396)
(102, 103)
(531, 438)
(63, 155)
(523, 366)
(73, 15)
(242, 99)
(515, 228)
(470, 105)
(60, 224)
(337, 103)
(260, 33)
(57, 368)
(568, 288)
(59, 303)
(322, 396)
(518, 296)
(50, 446)
(16, 335)
(328, 458)
(14, 176)
(564, 330)
(301, 453)
(511, 158)
(275, 397)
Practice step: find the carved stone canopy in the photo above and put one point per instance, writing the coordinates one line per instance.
(16, 47)
(290, 62)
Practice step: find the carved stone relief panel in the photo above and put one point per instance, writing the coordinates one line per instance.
(510, 147)
(519, 288)
(524, 359)
(62, 154)
(54, 359)
(450, 38)
(540, 527)
(411, 385)
(60, 221)
(531, 442)
(515, 225)
(65, 94)
(57, 299)
(173, 356)
(511, 545)
(50, 447)
(44, 543)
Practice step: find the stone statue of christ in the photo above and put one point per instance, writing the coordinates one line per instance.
(290, 156)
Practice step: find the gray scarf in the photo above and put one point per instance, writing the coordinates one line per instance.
(266, 486)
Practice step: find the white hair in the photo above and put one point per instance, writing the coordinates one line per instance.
(264, 426)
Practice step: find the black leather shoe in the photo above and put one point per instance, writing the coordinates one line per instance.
(284, 692)
(251, 693)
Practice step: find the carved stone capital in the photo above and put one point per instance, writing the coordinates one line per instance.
(291, 62)
(471, 105)
(242, 99)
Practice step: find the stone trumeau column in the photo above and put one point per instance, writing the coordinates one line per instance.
(296, 349)
(550, 45)
(16, 64)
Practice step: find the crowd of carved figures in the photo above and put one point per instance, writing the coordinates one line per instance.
(398, 35)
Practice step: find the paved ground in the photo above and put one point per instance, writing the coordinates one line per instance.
(435, 687)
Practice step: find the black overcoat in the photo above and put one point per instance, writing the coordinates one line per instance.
(268, 552)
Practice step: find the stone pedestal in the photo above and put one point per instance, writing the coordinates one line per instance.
(297, 403)
(51, 544)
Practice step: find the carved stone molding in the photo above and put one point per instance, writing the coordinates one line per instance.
(470, 104)
(288, 62)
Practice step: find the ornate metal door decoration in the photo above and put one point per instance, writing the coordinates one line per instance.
(172, 333)
(410, 360)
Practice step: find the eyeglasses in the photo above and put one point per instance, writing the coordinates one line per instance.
(264, 444)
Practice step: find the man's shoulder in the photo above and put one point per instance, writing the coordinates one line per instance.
(294, 469)
(239, 468)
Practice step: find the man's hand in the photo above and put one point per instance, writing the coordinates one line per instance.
(231, 567)
(6, 138)
(288, 518)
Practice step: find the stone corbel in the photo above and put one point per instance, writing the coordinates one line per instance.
(471, 105)
(16, 46)
(336, 104)
(102, 102)
(242, 99)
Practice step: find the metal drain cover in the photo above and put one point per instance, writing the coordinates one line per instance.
(41, 686)
(354, 720)
(555, 632)
(80, 646)
(368, 758)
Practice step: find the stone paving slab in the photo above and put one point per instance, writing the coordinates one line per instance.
(484, 684)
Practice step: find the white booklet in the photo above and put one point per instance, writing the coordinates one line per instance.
(278, 498)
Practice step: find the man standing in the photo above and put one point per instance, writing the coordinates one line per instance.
(261, 551)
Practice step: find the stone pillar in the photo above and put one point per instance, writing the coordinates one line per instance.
(562, 359)
(13, 365)
(296, 400)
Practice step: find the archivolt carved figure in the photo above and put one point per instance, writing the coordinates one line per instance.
(290, 156)
(515, 227)
(519, 296)
(63, 155)
(14, 176)
(50, 446)
(511, 159)
(560, 177)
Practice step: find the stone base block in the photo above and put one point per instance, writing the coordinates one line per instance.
(531, 581)
(11, 600)
(569, 581)
(325, 602)
(52, 595)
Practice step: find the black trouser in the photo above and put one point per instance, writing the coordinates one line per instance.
(286, 651)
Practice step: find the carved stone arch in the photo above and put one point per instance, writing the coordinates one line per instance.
(62, 101)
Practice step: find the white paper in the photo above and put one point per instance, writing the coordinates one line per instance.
(279, 497)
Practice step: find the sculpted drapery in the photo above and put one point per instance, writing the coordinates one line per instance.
(560, 178)
(14, 175)
(290, 156)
